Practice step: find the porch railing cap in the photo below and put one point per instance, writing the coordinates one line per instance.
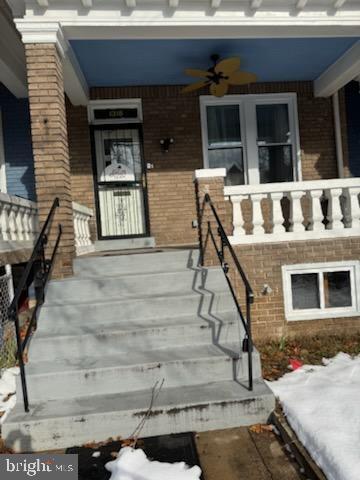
(210, 173)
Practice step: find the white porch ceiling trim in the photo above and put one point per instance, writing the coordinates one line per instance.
(75, 84)
(122, 19)
(345, 69)
(12, 60)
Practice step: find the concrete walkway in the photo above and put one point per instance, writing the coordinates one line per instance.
(237, 453)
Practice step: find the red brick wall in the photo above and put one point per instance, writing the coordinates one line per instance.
(262, 265)
(81, 169)
(50, 146)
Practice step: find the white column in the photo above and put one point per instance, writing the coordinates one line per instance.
(316, 214)
(335, 214)
(257, 216)
(238, 220)
(277, 218)
(296, 214)
(353, 208)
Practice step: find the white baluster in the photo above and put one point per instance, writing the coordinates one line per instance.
(276, 216)
(4, 222)
(19, 219)
(34, 224)
(87, 231)
(296, 214)
(26, 224)
(316, 214)
(257, 216)
(83, 232)
(12, 222)
(238, 220)
(76, 229)
(334, 215)
(353, 208)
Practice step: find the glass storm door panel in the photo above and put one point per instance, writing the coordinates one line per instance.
(120, 182)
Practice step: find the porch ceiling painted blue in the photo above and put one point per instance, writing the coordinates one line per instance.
(162, 62)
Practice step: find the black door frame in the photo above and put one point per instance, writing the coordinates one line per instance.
(119, 126)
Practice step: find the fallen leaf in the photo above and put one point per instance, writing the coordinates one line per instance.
(261, 428)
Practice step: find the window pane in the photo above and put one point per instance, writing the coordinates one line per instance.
(232, 160)
(223, 123)
(273, 123)
(275, 164)
(305, 291)
(337, 289)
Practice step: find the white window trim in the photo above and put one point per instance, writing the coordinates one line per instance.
(353, 266)
(115, 103)
(248, 128)
(3, 184)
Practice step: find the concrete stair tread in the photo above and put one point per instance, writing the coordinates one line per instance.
(144, 274)
(77, 326)
(127, 358)
(89, 290)
(132, 263)
(138, 401)
(137, 297)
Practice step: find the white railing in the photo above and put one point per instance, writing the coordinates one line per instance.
(82, 216)
(18, 223)
(295, 210)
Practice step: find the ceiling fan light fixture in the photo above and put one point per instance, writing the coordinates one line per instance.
(220, 76)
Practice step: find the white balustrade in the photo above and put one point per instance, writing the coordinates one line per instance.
(18, 223)
(316, 209)
(82, 216)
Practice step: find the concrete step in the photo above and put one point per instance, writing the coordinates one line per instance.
(153, 262)
(59, 424)
(135, 370)
(84, 339)
(72, 316)
(124, 244)
(164, 283)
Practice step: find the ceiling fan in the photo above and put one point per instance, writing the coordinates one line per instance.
(220, 76)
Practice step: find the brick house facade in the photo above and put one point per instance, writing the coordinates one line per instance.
(168, 112)
(61, 91)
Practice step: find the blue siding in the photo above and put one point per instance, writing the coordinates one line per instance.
(352, 96)
(17, 145)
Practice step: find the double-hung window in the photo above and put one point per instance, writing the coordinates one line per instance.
(255, 137)
(321, 290)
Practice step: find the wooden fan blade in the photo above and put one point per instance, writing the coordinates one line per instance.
(193, 72)
(241, 78)
(194, 86)
(228, 66)
(219, 89)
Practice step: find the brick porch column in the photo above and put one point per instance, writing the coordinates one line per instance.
(50, 145)
(211, 181)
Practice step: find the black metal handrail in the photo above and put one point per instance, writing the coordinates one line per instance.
(40, 267)
(247, 344)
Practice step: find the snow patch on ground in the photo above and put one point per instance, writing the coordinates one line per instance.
(134, 465)
(7, 391)
(322, 405)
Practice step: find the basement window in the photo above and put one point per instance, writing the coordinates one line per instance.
(325, 290)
